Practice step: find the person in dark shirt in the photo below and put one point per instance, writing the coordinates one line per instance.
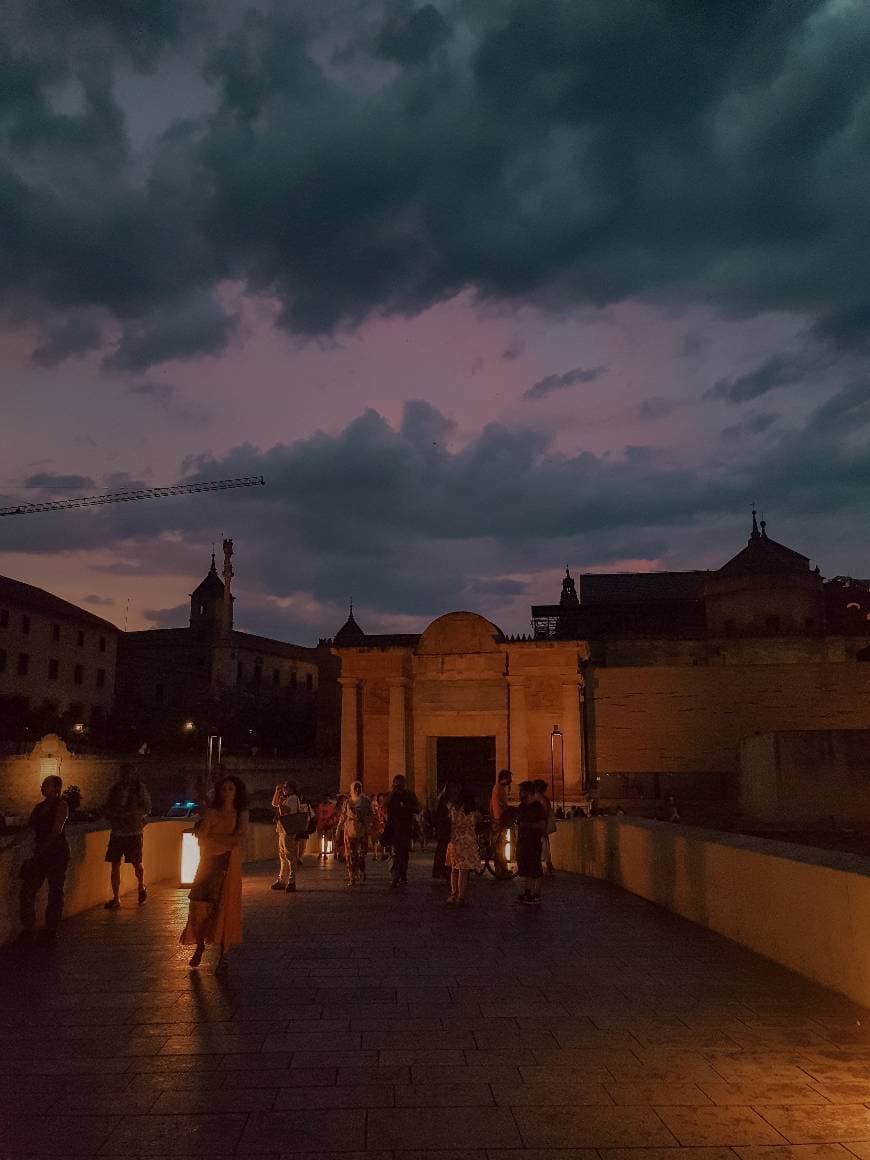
(49, 861)
(531, 821)
(402, 809)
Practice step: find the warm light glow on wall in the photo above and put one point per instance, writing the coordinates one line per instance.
(189, 857)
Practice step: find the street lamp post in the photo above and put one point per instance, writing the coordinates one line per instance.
(557, 764)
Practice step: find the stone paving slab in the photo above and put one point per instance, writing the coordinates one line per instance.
(370, 1024)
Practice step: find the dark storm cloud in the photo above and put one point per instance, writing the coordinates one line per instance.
(45, 481)
(755, 423)
(98, 601)
(407, 526)
(541, 150)
(780, 370)
(64, 338)
(410, 35)
(198, 326)
(546, 386)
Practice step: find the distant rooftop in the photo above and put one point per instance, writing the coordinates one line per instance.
(38, 600)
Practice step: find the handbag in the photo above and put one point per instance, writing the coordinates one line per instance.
(209, 880)
(295, 825)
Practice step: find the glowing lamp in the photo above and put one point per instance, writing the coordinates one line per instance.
(188, 726)
(189, 857)
(78, 727)
(507, 845)
(326, 845)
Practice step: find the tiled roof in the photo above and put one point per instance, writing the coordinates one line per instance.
(38, 600)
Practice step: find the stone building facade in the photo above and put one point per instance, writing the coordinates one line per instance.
(54, 653)
(635, 687)
(209, 671)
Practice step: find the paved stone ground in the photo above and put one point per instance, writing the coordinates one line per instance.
(385, 1024)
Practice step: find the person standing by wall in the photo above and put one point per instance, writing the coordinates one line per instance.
(127, 808)
(291, 822)
(463, 854)
(215, 910)
(402, 808)
(355, 825)
(531, 819)
(49, 861)
(501, 814)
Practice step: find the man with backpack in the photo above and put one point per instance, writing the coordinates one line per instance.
(402, 809)
(291, 822)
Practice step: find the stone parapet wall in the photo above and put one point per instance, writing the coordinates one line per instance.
(87, 880)
(804, 908)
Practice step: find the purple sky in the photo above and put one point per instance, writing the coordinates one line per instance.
(481, 289)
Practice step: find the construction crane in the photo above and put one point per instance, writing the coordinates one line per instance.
(61, 505)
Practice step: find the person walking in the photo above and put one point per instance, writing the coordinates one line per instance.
(463, 854)
(355, 825)
(127, 808)
(291, 820)
(215, 911)
(379, 821)
(402, 808)
(501, 814)
(448, 797)
(49, 860)
(531, 820)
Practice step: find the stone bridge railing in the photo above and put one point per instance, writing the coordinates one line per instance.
(87, 880)
(806, 909)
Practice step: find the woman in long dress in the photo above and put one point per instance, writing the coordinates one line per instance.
(215, 913)
(463, 854)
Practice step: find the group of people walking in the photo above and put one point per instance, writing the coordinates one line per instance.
(356, 821)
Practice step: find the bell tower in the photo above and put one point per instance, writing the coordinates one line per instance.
(207, 605)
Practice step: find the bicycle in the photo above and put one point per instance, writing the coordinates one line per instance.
(486, 845)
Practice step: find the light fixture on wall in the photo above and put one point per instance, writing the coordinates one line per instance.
(188, 726)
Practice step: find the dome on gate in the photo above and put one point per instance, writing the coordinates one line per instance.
(460, 632)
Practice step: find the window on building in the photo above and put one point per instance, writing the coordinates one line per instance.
(102, 644)
(101, 678)
(293, 679)
(25, 624)
(201, 608)
(4, 617)
(309, 681)
(240, 672)
(258, 674)
(53, 669)
(23, 664)
(55, 632)
(75, 711)
(276, 677)
(79, 675)
(2, 660)
(80, 639)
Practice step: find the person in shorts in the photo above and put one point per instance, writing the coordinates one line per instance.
(127, 808)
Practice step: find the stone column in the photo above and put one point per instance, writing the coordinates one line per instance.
(349, 730)
(570, 726)
(518, 738)
(397, 738)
